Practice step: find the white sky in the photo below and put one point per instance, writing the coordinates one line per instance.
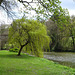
(69, 4)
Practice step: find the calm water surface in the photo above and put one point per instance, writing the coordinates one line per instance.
(64, 58)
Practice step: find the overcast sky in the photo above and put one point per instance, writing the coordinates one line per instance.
(69, 4)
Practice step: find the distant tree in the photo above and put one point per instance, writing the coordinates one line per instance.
(52, 32)
(30, 35)
(71, 28)
(57, 25)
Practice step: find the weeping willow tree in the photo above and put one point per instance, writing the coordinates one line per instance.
(29, 35)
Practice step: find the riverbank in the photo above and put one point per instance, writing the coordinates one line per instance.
(64, 58)
(11, 64)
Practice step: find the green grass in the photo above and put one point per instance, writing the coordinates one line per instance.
(11, 64)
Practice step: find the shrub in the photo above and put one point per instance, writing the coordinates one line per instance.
(14, 50)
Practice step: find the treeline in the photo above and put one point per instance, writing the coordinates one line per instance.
(61, 29)
(60, 26)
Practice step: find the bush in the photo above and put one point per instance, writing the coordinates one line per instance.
(14, 50)
(7, 47)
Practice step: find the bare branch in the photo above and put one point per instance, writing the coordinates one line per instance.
(27, 1)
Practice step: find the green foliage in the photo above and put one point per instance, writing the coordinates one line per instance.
(31, 31)
(45, 8)
(14, 50)
(62, 30)
(66, 43)
(61, 17)
(61, 20)
(7, 46)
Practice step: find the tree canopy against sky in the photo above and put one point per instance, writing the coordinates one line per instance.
(44, 8)
(49, 5)
(30, 35)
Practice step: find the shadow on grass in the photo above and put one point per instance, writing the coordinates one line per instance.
(22, 56)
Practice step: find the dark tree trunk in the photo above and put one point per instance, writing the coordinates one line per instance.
(73, 41)
(71, 34)
(22, 48)
(20, 51)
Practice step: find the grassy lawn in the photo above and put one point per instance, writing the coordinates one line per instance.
(11, 64)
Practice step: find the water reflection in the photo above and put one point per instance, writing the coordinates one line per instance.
(64, 58)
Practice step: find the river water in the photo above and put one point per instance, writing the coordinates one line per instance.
(64, 58)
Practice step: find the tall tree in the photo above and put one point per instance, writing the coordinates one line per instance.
(30, 35)
(61, 21)
(72, 30)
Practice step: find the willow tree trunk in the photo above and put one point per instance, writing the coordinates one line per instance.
(20, 50)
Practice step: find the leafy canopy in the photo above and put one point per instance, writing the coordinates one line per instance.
(31, 32)
(43, 8)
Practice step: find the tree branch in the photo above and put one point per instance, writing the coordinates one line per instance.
(26, 43)
(1, 1)
(27, 1)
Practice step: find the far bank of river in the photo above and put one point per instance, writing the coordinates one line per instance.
(64, 58)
